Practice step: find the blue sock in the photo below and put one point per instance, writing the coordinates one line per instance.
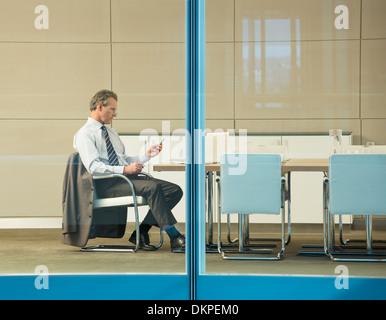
(172, 232)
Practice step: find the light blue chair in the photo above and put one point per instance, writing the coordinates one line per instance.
(251, 184)
(356, 186)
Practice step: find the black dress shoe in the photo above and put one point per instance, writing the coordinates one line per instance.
(178, 244)
(144, 242)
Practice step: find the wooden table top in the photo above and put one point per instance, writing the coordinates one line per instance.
(305, 165)
(288, 166)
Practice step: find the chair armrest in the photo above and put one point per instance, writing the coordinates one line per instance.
(109, 176)
(284, 189)
(146, 174)
(122, 176)
(325, 178)
(116, 175)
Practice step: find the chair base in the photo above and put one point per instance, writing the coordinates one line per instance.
(178, 251)
(249, 249)
(369, 255)
(321, 252)
(362, 256)
(109, 248)
(251, 252)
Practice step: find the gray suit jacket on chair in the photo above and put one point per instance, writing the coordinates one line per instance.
(80, 221)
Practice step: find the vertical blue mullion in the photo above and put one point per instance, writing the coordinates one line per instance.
(188, 84)
(200, 145)
(195, 124)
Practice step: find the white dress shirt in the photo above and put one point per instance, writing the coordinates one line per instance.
(90, 142)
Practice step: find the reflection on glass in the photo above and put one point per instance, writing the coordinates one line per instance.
(283, 73)
(272, 66)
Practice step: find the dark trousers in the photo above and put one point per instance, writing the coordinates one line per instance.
(162, 196)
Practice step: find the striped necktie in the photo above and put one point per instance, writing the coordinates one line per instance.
(113, 159)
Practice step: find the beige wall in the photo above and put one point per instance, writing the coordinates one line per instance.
(271, 66)
(282, 66)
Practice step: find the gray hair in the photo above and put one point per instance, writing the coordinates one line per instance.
(102, 96)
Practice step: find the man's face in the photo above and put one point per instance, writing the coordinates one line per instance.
(109, 112)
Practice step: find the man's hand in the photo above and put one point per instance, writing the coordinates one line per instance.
(133, 168)
(154, 150)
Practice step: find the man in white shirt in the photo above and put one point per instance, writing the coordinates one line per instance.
(102, 152)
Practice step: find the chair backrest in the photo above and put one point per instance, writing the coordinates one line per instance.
(357, 184)
(251, 183)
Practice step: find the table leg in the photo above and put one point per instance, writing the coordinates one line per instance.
(210, 196)
(210, 206)
(289, 207)
(328, 227)
(369, 233)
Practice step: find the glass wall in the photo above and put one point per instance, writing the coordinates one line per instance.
(283, 73)
(277, 73)
(54, 58)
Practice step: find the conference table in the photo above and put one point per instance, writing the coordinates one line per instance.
(288, 166)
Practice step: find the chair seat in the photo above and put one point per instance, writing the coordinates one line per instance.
(118, 201)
